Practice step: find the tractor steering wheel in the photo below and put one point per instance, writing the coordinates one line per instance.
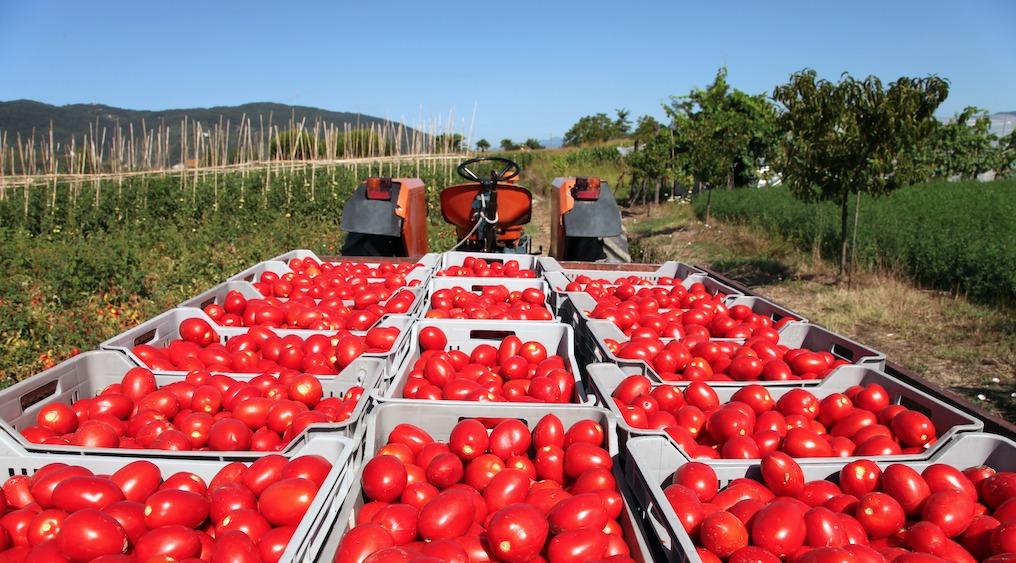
(510, 170)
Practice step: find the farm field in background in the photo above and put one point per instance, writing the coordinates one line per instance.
(88, 257)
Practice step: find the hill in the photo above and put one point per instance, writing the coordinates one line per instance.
(30, 119)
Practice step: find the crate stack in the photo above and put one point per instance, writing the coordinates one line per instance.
(343, 365)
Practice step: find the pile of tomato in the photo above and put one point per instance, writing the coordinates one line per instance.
(200, 412)
(475, 267)
(502, 494)
(261, 350)
(493, 301)
(514, 371)
(68, 513)
(861, 421)
(868, 514)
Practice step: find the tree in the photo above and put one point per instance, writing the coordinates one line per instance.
(964, 146)
(483, 145)
(508, 145)
(597, 128)
(854, 137)
(532, 144)
(729, 133)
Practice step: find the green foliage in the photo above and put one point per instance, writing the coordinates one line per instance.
(597, 129)
(963, 147)
(955, 237)
(509, 145)
(447, 143)
(532, 144)
(724, 135)
(483, 145)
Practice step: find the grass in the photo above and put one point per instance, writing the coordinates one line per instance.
(963, 346)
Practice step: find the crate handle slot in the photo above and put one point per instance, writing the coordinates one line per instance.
(490, 334)
(145, 338)
(913, 405)
(38, 394)
(491, 422)
(842, 351)
(248, 278)
(207, 302)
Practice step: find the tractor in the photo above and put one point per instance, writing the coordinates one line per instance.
(387, 216)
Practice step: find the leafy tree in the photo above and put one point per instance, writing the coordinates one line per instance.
(292, 144)
(963, 147)
(646, 128)
(729, 133)
(483, 145)
(1005, 165)
(598, 128)
(854, 137)
(508, 145)
(532, 144)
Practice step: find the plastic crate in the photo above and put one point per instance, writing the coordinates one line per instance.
(218, 293)
(559, 277)
(792, 335)
(281, 268)
(87, 374)
(765, 307)
(476, 285)
(633, 527)
(556, 337)
(309, 534)
(160, 330)
(456, 258)
(655, 460)
(425, 261)
(948, 420)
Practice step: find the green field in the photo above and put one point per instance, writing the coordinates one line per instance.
(951, 236)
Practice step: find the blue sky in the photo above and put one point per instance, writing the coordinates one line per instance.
(490, 70)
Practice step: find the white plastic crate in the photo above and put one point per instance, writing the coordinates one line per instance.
(476, 285)
(309, 535)
(557, 338)
(456, 258)
(948, 420)
(160, 330)
(87, 374)
(655, 460)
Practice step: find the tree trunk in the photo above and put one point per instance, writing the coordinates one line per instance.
(709, 207)
(853, 241)
(844, 213)
(730, 178)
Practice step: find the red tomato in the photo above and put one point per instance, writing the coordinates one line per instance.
(447, 516)
(880, 515)
(517, 533)
(138, 480)
(782, 474)
(384, 478)
(722, 533)
(169, 507)
(907, 486)
(779, 528)
(860, 477)
(235, 547)
(285, 502)
(88, 534)
(951, 510)
(80, 492)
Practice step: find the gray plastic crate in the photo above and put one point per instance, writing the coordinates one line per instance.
(218, 293)
(160, 330)
(792, 335)
(560, 278)
(655, 460)
(426, 261)
(455, 258)
(633, 527)
(556, 337)
(764, 307)
(87, 374)
(309, 535)
(476, 285)
(948, 420)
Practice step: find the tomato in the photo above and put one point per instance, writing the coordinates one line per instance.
(169, 507)
(311, 466)
(432, 337)
(779, 528)
(578, 546)
(907, 486)
(782, 474)
(753, 554)
(444, 470)
(517, 533)
(227, 498)
(913, 428)
(860, 477)
(285, 502)
(400, 520)
(263, 472)
(582, 456)
(80, 492)
(880, 514)
(686, 505)
(44, 526)
(804, 442)
(824, 528)
(274, 542)
(951, 510)
(509, 438)
(384, 478)
(586, 431)
(998, 488)
(580, 511)
(940, 477)
(229, 434)
(88, 534)
(447, 516)
(58, 417)
(722, 533)
(235, 547)
(977, 537)
(410, 435)
(509, 486)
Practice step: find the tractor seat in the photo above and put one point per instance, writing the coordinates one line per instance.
(514, 207)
